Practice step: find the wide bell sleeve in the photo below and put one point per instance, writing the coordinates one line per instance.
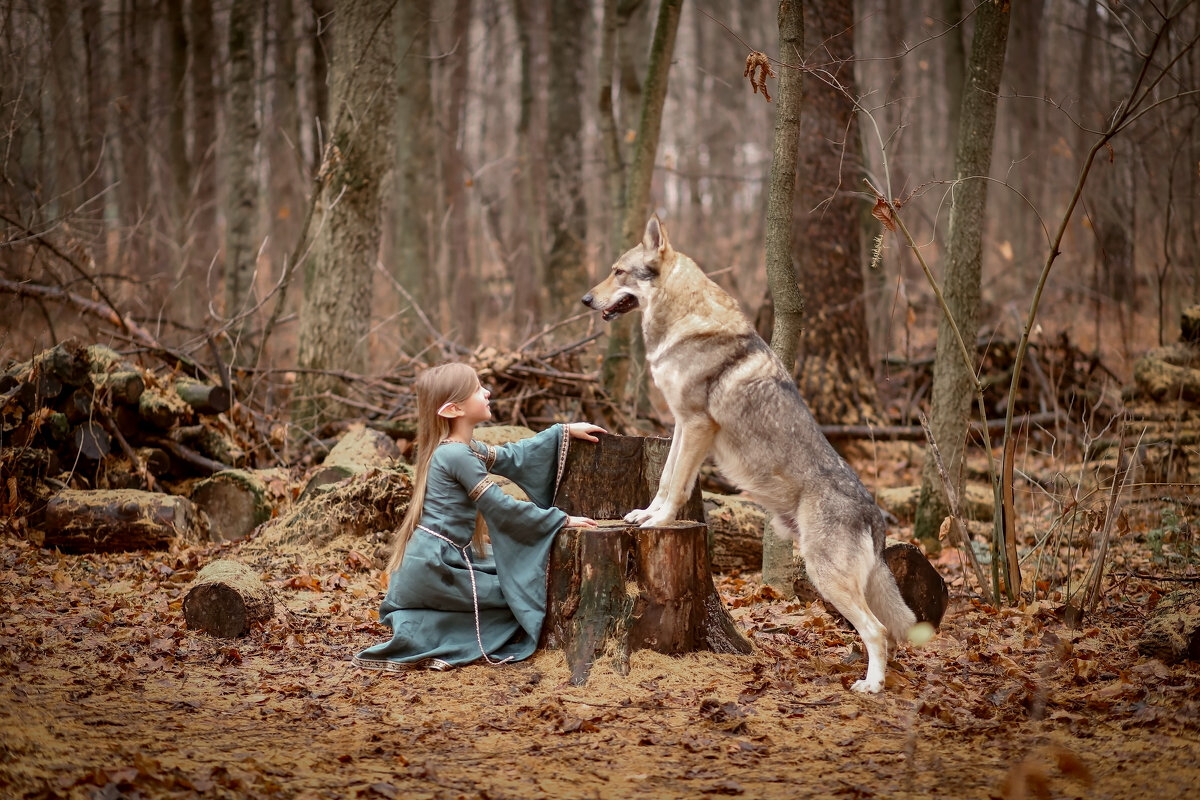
(521, 532)
(535, 464)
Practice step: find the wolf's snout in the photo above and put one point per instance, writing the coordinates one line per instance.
(587, 299)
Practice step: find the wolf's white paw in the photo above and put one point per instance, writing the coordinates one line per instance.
(638, 516)
(867, 686)
(658, 519)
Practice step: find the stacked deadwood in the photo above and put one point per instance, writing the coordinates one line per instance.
(85, 420)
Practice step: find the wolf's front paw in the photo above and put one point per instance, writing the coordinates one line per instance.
(638, 516)
(658, 519)
(867, 686)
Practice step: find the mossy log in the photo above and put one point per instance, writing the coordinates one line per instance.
(1173, 631)
(359, 449)
(735, 532)
(108, 520)
(202, 397)
(226, 599)
(163, 410)
(89, 442)
(235, 501)
(620, 588)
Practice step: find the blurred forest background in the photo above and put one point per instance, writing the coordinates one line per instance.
(161, 155)
(307, 199)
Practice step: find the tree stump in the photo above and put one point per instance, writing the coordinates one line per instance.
(115, 520)
(620, 588)
(235, 501)
(226, 599)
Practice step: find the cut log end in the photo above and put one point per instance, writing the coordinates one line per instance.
(226, 599)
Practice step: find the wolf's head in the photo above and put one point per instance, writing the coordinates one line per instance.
(629, 282)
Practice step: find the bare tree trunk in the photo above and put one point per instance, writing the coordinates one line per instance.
(321, 39)
(953, 391)
(464, 303)
(96, 129)
(414, 216)
(241, 200)
(622, 367)
(335, 315)
(835, 375)
(786, 299)
(134, 27)
(174, 102)
(527, 283)
(64, 74)
(204, 135)
(566, 212)
(286, 182)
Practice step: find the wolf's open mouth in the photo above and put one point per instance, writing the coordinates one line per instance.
(627, 303)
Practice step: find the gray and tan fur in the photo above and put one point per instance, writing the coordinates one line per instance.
(729, 393)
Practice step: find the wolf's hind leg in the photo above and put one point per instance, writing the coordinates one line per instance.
(845, 585)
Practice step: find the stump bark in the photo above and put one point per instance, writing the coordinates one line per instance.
(620, 588)
(226, 599)
(115, 520)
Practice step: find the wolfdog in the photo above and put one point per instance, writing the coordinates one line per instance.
(728, 391)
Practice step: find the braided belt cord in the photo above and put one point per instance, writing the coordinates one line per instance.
(474, 593)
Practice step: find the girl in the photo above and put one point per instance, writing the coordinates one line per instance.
(447, 604)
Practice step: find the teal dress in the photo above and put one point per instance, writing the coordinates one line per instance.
(448, 605)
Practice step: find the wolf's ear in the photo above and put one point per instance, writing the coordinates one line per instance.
(655, 238)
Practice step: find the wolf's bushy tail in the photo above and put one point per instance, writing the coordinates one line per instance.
(883, 597)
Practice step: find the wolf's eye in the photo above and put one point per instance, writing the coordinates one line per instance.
(618, 272)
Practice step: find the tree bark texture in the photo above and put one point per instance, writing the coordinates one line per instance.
(226, 599)
(288, 174)
(787, 300)
(112, 520)
(566, 212)
(619, 588)
(953, 392)
(203, 199)
(621, 366)
(335, 316)
(413, 217)
(835, 374)
(241, 200)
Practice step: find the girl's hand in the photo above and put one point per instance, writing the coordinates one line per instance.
(585, 431)
(581, 522)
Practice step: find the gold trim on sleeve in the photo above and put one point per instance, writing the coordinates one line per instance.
(480, 488)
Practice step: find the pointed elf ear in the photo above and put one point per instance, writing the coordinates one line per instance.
(449, 410)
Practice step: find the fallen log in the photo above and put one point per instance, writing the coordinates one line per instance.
(116, 520)
(202, 397)
(235, 501)
(1173, 631)
(226, 599)
(359, 449)
(735, 532)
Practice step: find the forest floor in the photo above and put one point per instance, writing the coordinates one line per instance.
(105, 693)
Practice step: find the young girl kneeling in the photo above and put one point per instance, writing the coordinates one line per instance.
(447, 603)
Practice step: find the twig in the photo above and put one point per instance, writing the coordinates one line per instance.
(956, 523)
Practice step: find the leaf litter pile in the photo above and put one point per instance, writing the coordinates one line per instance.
(105, 693)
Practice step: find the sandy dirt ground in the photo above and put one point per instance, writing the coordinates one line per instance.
(104, 693)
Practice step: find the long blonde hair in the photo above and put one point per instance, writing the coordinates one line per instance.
(446, 383)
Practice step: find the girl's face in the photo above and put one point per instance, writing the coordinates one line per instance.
(477, 408)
